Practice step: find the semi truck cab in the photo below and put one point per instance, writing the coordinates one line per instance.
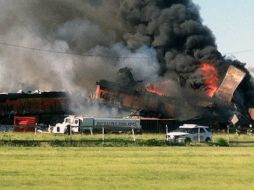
(71, 124)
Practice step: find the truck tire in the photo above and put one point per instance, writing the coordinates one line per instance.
(68, 130)
(187, 141)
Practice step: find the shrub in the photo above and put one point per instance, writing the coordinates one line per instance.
(221, 142)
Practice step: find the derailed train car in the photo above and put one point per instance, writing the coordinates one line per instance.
(217, 109)
(48, 107)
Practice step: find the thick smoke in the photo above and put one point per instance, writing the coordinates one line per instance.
(173, 28)
(89, 31)
(156, 39)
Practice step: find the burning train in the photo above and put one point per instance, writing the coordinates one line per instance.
(168, 62)
(217, 106)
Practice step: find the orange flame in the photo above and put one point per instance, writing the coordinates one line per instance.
(97, 92)
(154, 90)
(210, 74)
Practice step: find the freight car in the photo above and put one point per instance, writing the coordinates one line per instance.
(49, 107)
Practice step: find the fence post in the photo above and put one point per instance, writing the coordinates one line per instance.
(133, 134)
(103, 133)
(35, 129)
(228, 133)
(91, 131)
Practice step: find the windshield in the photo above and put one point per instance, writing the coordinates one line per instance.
(186, 130)
(67, 120)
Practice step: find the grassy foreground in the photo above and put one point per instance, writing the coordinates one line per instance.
(145, 136)
(48, 136)
(127, 168)
(111, 140)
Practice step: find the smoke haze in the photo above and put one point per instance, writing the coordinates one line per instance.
(156, 39)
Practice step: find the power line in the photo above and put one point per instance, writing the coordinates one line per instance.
(71, 53)
(93, 55)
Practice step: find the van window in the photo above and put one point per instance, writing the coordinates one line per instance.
(76, 121)
(194, 131)
(209, 130)
(202, 130)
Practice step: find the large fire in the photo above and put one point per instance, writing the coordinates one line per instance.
(210, 78)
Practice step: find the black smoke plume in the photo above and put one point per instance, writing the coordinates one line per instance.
(156, 39)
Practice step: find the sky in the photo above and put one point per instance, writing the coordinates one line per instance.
(232, 23)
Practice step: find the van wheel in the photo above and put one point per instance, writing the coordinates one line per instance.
(187, 141)
(208, 140)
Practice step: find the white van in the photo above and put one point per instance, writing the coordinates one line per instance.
(190, 133)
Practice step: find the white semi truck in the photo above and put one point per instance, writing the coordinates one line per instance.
(71, 124)
(78, 124)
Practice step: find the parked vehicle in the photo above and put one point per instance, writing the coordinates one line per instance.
(190, 133)
(78, 124)
(25, 123)
(71, 124)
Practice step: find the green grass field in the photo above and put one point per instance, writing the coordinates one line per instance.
(115, 140)
(158, 136)
(127, 168)
(48, 136)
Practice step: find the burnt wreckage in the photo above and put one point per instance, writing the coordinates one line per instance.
(185, 76)
(49, 107)
(150, 101)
